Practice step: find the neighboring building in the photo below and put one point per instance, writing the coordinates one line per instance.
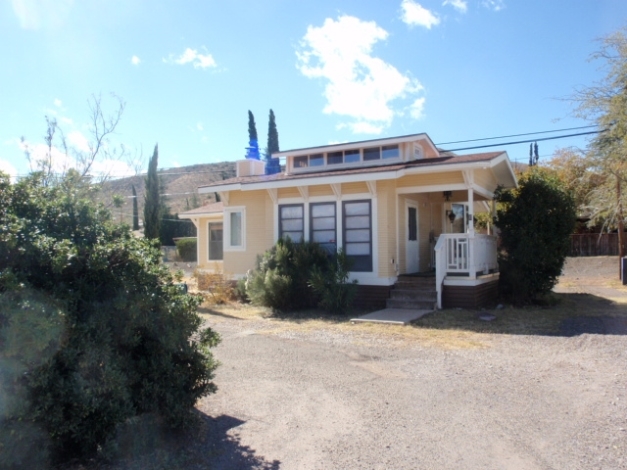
(397, 206)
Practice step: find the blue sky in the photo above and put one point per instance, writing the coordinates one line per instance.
(332, 71)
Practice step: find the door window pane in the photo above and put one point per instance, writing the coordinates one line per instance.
(412, 232)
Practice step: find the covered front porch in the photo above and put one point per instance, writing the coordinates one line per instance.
(439, 237)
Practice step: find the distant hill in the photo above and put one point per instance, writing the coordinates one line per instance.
(180, 186)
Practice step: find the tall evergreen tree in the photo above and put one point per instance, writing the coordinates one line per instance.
(152, 204)
(252, 127)
(272, 164)
(135, 210)
(273, 136)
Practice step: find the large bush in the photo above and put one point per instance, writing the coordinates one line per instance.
(295, 276)
(93, 329)
(535, 222)
(336, 292)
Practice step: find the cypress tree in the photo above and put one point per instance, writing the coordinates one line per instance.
(273, 136)
(272, 164)
(252, 128)
(135, 210)
(152, 204)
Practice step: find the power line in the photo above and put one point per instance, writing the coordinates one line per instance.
(525, 141)
(518, 135)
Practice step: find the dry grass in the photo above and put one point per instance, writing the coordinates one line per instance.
(446, 329)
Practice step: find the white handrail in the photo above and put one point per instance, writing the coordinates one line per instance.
(440, 268)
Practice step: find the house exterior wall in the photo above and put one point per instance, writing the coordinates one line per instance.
(387, 228)
(259, 231)
(430, 179)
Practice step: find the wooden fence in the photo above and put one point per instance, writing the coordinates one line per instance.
(594, 244)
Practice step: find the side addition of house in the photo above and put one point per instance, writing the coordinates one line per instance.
(398, 206)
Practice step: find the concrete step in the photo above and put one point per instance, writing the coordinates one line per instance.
(411, 304)
(413, 295)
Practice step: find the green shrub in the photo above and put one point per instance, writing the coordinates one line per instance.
(294, 276)
(93, 329)
(187, 248)
(535, 222)
(336, 293)
(281, 279)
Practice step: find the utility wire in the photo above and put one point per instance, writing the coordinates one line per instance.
(517, 135)
(525, 141)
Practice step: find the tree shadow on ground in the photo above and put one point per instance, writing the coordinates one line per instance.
(146, 445)
(302, 316)
(568, 315)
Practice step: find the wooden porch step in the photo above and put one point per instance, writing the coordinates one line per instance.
(413, 292)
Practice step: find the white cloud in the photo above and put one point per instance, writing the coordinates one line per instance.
(199, 126)
(135, 60)
(416, 110)
(459, 5)
(359, 85)
(35, 14)
(199, 60)
(414, 14)
(495, 5)
(58, 103)
(8, 168)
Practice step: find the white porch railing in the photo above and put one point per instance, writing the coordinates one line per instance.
(464, 255)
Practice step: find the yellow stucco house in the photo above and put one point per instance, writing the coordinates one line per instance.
(400, 208)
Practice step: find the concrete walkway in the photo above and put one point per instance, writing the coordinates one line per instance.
(394, 316)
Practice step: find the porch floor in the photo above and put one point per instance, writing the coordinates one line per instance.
(393, 316)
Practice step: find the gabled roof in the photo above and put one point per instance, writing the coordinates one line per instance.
(499, 161)
(215, 208)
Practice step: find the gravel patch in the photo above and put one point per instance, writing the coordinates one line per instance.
(336, 398)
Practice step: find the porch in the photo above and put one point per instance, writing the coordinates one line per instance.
(467, 264)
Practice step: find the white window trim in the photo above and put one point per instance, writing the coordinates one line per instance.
(227, 229)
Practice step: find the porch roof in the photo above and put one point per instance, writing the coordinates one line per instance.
(498, 161)
(209, 209)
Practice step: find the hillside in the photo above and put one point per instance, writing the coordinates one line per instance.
(180, 187)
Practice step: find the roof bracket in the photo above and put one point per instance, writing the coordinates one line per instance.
(337, 190)
(372, 188)
(304, 192)
(274, 195)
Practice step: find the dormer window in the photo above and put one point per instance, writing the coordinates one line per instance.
(346, 158)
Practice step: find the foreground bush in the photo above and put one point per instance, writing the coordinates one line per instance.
(295, 276)
(535, 222)
(93, 330)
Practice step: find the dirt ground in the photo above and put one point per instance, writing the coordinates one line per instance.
(315, 395)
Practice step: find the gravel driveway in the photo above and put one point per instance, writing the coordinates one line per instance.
(340, 399)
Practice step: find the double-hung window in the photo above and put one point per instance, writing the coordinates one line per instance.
(215, 241)
(357, 234)
(322, 225)
(292, 222)
(234, 229)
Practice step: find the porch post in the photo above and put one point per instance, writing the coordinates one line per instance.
(471, 235)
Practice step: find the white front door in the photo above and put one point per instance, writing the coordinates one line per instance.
(411, 237)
